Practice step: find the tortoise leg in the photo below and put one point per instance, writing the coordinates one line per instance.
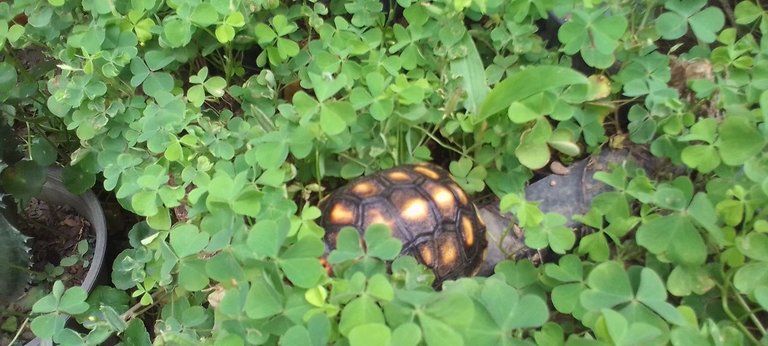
(568, 193)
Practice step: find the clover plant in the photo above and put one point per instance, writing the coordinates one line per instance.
(222, 123)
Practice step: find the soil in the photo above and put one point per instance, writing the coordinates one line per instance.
(55, 232)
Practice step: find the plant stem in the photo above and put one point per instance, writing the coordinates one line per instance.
(727, 310)
(134, 310)
(752, 316)
(228, 63)
(29, 140)
(350, 158)
(317, 172)
(724, 302)
(398, 144)
(443, 144)
(391, 14)
(647, 13)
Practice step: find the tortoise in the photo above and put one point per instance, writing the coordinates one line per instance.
(446, 231)
(423, 207)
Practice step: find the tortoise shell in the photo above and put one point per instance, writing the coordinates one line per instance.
(423, 207)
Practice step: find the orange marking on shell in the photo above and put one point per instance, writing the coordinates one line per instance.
(374, 216)
(364, 189)
(468, 230)
(427, 257)
(427, 172)
(342, 215)
(398, 176)
(460, 193)
(415, 209)
(448, 253)
(442, 197)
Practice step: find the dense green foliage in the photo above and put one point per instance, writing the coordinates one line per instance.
(221, 122)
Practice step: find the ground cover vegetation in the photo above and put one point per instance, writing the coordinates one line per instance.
(222, 122)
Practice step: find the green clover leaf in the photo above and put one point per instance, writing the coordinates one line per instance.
(551, 232)
(739, 140)
(594, 35)
(704, 23)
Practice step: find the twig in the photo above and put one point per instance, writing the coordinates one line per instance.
(728, 11)
(18, 332)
